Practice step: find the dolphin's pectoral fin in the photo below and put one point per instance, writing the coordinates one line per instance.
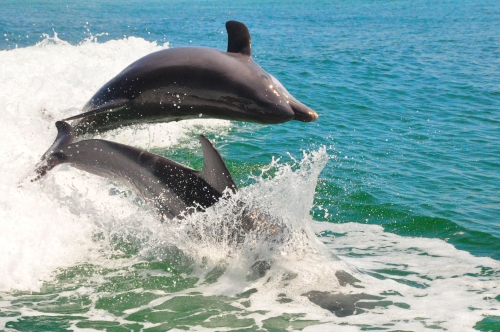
(215, 172)
(238, 40)
(109, 106)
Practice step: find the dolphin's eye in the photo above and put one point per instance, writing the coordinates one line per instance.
(266, 79)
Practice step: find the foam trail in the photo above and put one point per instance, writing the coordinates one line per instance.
(40, 229)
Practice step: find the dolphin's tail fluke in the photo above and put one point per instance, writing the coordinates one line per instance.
(65, 136)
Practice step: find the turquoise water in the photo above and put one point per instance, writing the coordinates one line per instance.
(408, 97)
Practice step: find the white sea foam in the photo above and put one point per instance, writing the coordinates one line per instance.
(444, 287)
(40, 84)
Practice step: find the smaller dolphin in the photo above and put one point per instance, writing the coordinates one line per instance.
(169, 187)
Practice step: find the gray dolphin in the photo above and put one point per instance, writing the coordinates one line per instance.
(189, 82)
(169, 187)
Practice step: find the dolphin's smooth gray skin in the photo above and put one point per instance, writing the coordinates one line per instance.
(169, 187)
(192, 82)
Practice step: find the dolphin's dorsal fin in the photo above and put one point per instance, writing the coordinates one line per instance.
(238, 40)
(215, 172)
(109, 106)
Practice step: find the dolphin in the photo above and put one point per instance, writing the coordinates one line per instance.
(170, 188)
(191, 82)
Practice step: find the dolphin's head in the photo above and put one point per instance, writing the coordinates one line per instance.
(275, 102)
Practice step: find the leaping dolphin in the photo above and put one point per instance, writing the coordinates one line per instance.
(169, 187)
(189, 82)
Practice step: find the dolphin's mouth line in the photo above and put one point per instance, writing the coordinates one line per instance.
(302, 112)
(306, 117)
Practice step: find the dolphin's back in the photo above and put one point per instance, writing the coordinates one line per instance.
(177, 70)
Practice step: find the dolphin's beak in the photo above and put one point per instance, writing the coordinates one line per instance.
(302, 112)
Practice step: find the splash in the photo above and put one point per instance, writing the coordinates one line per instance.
(47, 40)
(270, 211)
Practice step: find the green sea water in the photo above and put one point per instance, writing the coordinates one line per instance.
(397, 182)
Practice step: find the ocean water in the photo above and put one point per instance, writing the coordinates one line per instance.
(391, 200)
